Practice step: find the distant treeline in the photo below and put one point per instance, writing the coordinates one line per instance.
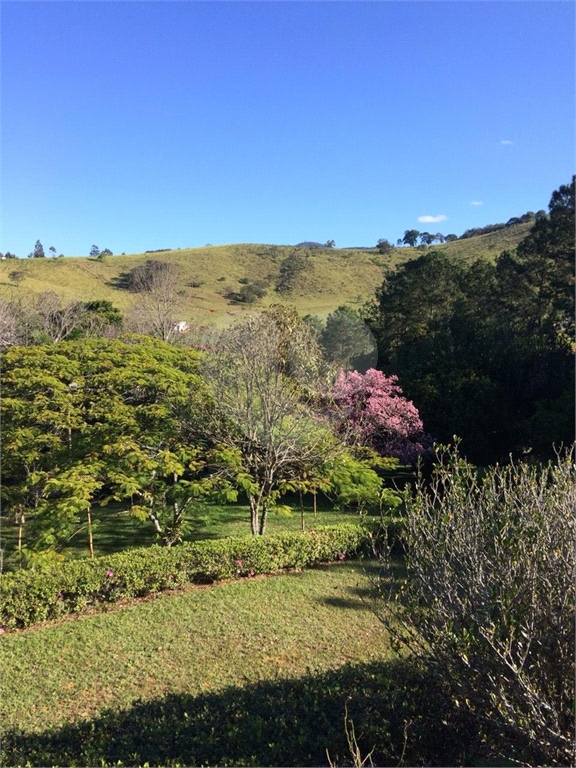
(476, 231)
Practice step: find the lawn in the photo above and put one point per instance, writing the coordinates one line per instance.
(256, 672)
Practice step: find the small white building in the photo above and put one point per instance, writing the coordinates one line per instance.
(182, 327)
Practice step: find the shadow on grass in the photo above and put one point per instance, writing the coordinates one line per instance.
(396, 709)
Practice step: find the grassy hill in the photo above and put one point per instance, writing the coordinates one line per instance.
(331, 277)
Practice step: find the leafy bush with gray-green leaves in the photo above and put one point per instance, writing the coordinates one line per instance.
(488, 602)
(53, 591)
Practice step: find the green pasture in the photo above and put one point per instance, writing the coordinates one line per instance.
(333, 276)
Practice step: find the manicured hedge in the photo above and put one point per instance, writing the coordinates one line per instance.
(53, 591)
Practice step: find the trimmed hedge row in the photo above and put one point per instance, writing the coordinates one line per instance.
(32, 596)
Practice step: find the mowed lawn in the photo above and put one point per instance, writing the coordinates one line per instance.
(197, 641)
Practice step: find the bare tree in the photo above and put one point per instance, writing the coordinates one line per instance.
(264, 415)
(157, 307)
(9, 331)
(58, 320)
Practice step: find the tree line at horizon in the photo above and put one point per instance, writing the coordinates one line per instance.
(410, 238)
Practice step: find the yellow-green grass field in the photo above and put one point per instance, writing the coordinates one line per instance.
(333, 276)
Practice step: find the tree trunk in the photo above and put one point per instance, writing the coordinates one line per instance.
(254, 504)
(90, 540)
(301, 510)
(314, 496)
(263, 518)
(20, 530)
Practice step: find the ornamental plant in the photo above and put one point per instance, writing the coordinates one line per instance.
(375, 413)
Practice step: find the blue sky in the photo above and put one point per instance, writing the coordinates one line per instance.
(144, 125)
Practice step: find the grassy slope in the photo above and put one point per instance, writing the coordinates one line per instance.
(334, 277)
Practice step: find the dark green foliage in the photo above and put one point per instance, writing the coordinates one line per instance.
(38, 252)
(105, 311)
(395, 707)
(290, 268)
(410, 237)
(250, 291)
(52, 591)
(145, 276)
(347, 340)
(485, 351)
(384, 246)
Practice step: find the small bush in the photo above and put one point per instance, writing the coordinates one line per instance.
(57, 590)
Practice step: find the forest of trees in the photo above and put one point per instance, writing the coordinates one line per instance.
(486, 351)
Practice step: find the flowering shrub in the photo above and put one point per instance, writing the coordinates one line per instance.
(56, 590)
(379, 415)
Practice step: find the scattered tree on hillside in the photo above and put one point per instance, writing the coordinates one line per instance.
(9, 255)
(52, 250)
(384, 246)
(426, 238)
(95, 251)
(38, 252)
(329, 244)
(157, 308)
(290, 268)
(410, 237)
(16, 276)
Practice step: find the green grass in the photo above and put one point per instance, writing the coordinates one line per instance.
(257, 672)
(115, 530)
(201, 640)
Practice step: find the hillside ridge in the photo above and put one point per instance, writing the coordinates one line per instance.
(210, 275)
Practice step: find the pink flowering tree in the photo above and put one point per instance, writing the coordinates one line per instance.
(374, 412)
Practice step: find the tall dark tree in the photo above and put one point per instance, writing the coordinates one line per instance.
(38, 252)
(485, 351)
(95, 251)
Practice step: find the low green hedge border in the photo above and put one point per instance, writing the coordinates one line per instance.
(31, 596)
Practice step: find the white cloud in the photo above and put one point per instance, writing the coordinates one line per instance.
(432, 219)
(505, 141)
(476, 202)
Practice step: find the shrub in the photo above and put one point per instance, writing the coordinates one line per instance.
(56, 590)
(488, 602)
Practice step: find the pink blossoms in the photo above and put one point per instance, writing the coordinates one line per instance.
(379, 415)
